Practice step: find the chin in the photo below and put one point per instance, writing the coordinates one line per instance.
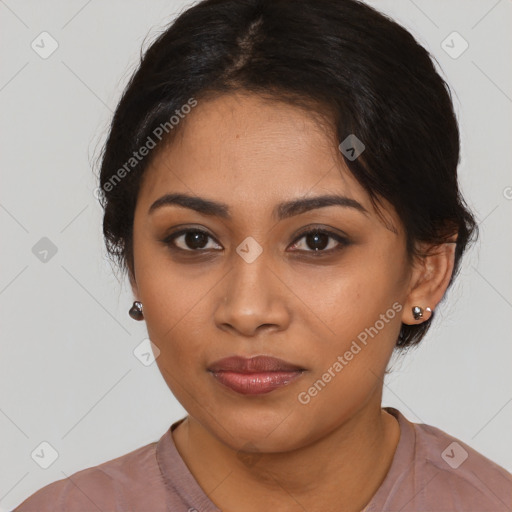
(269, 431)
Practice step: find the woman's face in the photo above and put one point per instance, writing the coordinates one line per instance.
(253, 284)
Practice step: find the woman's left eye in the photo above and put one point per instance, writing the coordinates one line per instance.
(318, 241)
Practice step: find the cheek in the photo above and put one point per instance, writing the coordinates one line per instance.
(178, 313)
(174, 318)
(342, 300)
(362, 318)
(169, 292)
(353, 320)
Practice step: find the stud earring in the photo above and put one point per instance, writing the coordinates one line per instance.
(417, 312)
(136, 311)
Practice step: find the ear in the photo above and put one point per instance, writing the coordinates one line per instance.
(429, 280)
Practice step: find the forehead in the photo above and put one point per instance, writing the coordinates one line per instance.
(252, 153)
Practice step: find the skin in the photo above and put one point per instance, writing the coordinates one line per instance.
(255, 452)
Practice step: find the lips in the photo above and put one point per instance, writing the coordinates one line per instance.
(257, 364)
(254, 376)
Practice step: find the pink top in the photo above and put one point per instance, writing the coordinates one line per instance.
(430, 471)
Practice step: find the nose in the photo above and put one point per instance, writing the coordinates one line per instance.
(253, 299)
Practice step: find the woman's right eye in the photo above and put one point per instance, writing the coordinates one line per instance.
(189, 240)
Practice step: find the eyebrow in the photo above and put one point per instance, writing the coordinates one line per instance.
(281, 211)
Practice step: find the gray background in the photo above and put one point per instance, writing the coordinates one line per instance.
(68, 375)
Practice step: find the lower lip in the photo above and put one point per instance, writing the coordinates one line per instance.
(255, 383)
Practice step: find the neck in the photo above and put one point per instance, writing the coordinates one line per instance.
(340, 471)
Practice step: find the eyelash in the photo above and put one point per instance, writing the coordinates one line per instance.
(343, 242)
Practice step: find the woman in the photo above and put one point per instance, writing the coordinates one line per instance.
(280, 185)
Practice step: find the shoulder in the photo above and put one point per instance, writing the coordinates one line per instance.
(454, 475)
(101, 487)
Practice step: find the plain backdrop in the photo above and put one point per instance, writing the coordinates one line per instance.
(68, 374)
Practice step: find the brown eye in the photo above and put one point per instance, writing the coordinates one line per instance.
(189, 240)
(315, 241)
(320, 241)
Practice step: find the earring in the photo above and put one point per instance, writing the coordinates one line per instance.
(136, 311)
(417, 312)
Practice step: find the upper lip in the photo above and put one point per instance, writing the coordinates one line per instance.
(252, 365)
